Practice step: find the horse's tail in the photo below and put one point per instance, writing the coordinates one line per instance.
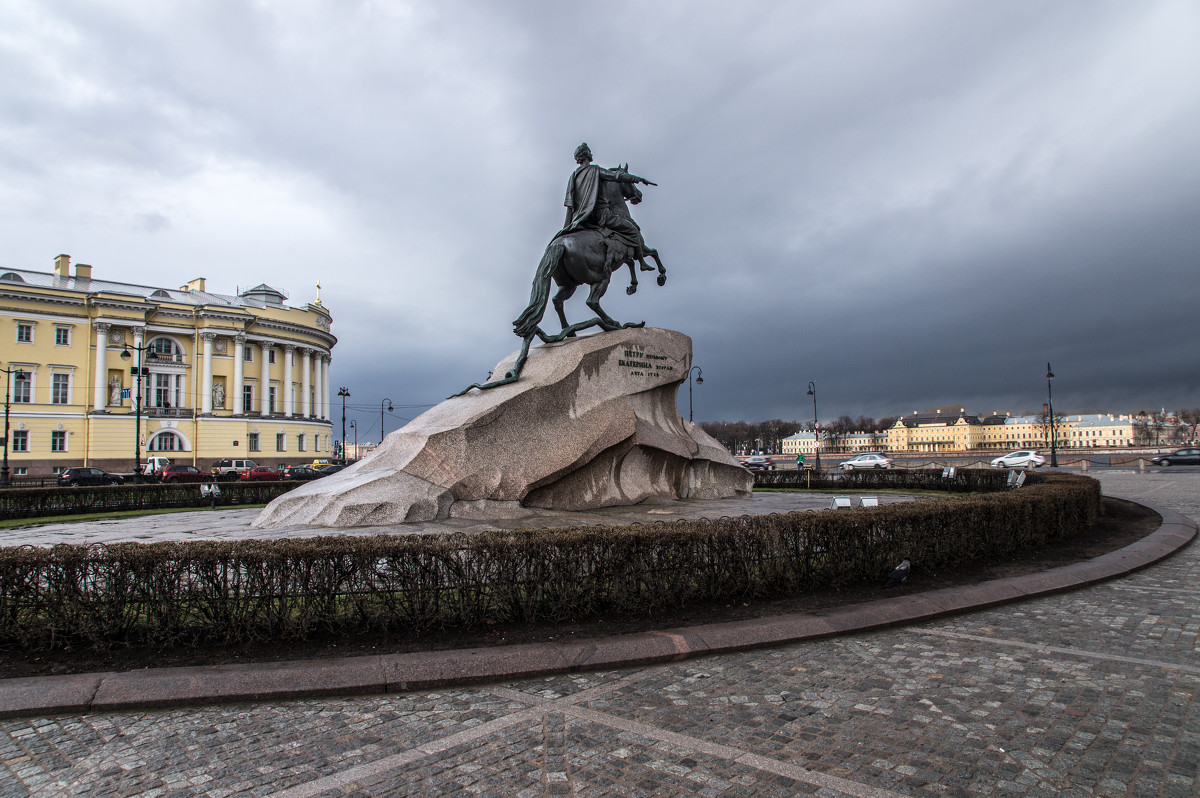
(529, 319)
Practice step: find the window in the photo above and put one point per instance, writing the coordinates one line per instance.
(300, 442)
(165, 442)
(248, 354)
(281, 442)
(252, 441)
(22, 390)
(58, 441)
(21, 471)
(162, 390)
(62, 336)
(20, 440)
(271, 356)
(60, 389)
(247, 398)
(271, 399)
(24, 333)
(166, 349)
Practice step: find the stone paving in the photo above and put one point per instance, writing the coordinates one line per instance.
(234, 523)
(1093, 692)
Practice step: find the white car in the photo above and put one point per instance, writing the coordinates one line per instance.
(872, 460)
(1022, 459)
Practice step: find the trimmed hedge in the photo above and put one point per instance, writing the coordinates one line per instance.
(965, 479)
(42, 502)
(203, 593)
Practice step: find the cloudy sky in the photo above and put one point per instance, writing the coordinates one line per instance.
(910, 203)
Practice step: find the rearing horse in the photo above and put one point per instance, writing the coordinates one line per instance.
(587, 256)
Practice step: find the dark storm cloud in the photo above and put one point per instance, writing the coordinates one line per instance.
(909, 203)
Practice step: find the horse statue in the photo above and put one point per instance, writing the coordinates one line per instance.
(586, 255)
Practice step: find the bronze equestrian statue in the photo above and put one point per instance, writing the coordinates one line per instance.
(598, 237)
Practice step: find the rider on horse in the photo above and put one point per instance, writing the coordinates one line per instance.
(589, 208)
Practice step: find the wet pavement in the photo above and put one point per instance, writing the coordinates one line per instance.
(1089, 692)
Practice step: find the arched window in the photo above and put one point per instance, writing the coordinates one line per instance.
(165, 441)
(166, 349)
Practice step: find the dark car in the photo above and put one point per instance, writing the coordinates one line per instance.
(260, 474)
(299, 472)
(85, 475)
(329, 468)
(182, 473)
(1179, 457)
(758, 464)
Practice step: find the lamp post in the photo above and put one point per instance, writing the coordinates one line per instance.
(139, 372)
(354, 427)
(699, 381)
(344, 393)
(1050, 405)
(7, 384)
(387, 402)
(812, 391)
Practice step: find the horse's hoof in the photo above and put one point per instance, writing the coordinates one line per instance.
(631, 290)
(662, 279)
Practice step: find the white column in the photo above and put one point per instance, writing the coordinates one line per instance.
(305, 407)
(318, 381)
(328, 400)
(139, 356)
(206, 383)
(289, 352)
(264, 399)
(100, 395)
(235, 395)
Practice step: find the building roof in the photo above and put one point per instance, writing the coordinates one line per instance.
(940, 419)
(253, 297)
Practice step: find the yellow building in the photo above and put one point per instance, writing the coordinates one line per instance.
(940, 432)
(223, 376)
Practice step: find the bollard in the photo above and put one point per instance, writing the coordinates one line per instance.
(1083, 465)
(1141, 466)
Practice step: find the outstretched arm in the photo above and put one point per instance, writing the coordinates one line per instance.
(624, 177)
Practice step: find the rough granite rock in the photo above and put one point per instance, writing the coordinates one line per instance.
(592, 422)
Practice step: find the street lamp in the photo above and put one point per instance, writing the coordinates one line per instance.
(699, 381)
(139, 372)
(812, 391)
(354, 427)
(7, 383)
(1050, 405)
(344, 393)
(387, 402)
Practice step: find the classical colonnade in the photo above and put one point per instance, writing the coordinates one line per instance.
(313, 364)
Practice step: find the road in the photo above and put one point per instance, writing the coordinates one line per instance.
(1093, 692)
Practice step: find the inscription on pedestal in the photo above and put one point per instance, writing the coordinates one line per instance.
(642, 363)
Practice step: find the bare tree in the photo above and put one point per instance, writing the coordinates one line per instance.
(1189, 420)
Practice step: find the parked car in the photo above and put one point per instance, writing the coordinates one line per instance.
(299, 472)
(868, 460)
(84, 475)
(1178, 457)
(260, 474)
(229, 469)
(329, 468)
(1026, 458)
(182, 473)
(153, 467)
(758, 463)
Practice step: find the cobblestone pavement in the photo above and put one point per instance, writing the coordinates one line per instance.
(1093, 692)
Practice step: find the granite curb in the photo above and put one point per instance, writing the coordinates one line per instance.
(395, 673)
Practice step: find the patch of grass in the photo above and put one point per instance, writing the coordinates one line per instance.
(940, 494)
